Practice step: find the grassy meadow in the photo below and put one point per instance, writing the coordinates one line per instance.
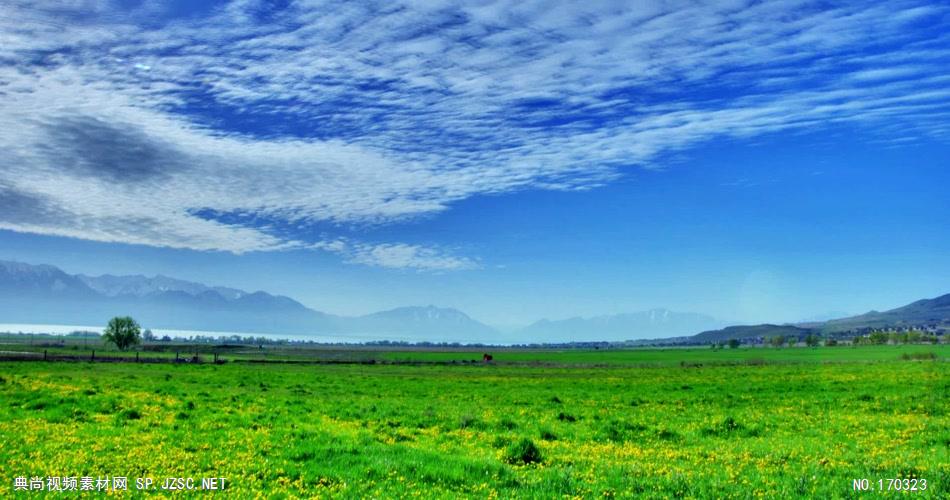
(685, 423)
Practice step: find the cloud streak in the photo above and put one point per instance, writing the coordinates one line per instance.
(369, 114)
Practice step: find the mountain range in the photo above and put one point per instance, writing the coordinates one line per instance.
(621, 326)
(47, 295)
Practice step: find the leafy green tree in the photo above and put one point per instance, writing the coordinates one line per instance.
(831, 342)
(777, 341)
(123, 331)
(812, 340)
(147, 335)
(878, 338)
(733, 343)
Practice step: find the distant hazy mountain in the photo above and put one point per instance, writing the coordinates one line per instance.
(822, 317)
(17, 279)
(449, 324)
(141, 286)
(45, 294)
(654, 323)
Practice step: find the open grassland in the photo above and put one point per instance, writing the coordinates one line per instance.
(646, 427)
(676, 356)
(58, 346)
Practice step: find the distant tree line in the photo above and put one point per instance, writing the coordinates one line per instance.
(906, 337)
(877, 337)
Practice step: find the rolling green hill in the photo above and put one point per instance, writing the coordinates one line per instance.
(749, 332)
(926, 312)
(922, 313)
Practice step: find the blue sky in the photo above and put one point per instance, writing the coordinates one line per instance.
(756, 161)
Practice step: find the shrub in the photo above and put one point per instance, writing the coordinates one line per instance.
(36, 405)
(920, 356)
(547, 435)
(130, 414)
(619, 431)
(566, 417)
(507, 424)
(727, 426)
(468, 421)
(667, 435)
(524, 451)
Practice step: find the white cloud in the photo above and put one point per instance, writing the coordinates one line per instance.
(371, 115)
(397, 255)
(405, 256)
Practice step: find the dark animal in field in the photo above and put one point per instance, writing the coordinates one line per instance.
(487, 358)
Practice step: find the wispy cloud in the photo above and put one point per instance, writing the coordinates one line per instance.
(368, 114)
(396, 255)
(404, 256)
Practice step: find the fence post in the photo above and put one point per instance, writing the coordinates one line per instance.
(176, 357)
(44, 354)
(136, 356)
(93, 358)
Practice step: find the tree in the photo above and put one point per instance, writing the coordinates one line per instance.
(812, 340)
(831, 342)
(878, 338)
(778, 341)
(123, 331)
(147, 335)
(733, 343)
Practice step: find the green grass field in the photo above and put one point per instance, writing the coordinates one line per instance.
(673, 356)
(647, 423)
(77, 347)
